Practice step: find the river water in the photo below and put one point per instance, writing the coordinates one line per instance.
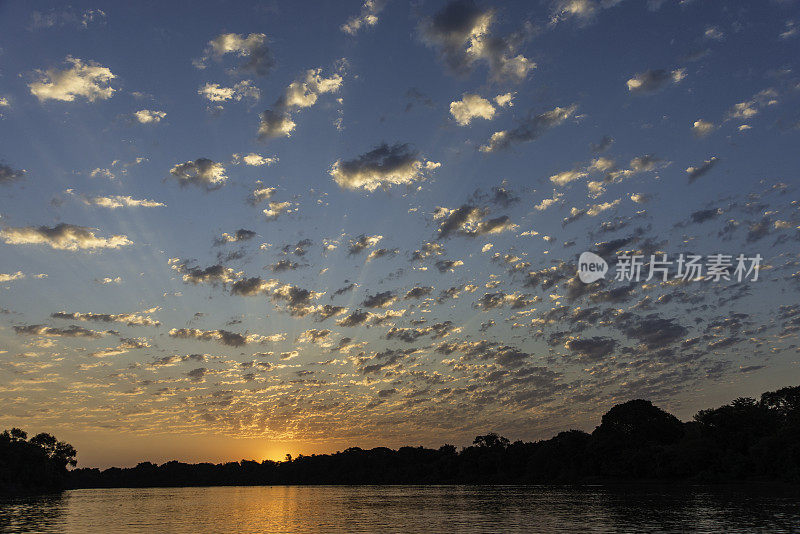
(408, 509)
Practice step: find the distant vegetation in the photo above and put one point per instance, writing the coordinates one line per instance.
(747, 439)
(33, 465)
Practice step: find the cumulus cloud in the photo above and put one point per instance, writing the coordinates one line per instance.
(261, 193)
(253, 49)
(4, 277)
(470, 221)
(214, 92)
(702, 169)
(275, 209)
(367, 17)
(9, 174)
(118, 201)
(86, 79)
(383, 299)
(275, 124)
(225, 337)
(149, 116)
(214, 274)
(302, 93)
(242, 234)
(201, 172)
(254, 160)
(471, 107)
(702, 128)
(126, 345)
(142, 318)
(49, 331)
(529, 129)
(62, 237)
(363, 242)
(651, 81)
(383, 167)
(592, 349)
(461, 32)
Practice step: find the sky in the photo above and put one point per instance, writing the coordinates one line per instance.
(239, 230)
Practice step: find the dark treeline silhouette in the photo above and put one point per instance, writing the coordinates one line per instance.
(33, 465)
(747, 439)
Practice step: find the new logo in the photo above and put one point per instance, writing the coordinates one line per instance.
(591, 267)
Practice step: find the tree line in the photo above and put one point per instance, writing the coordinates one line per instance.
(748, 439)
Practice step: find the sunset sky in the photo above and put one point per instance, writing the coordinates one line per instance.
(235, 230)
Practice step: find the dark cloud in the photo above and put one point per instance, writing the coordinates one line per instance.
(461, 33)
(9, 175)
(382, 167)
(529, 129)
(655, 332)
(592, 349)
(418, 292)
(71, 331)
(380, 300)
(702, 169)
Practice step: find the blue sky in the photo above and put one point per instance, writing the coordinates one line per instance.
(357, 148)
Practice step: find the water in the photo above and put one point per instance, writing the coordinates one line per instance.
(408, 509)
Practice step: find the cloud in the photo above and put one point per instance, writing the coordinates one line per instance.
(131, 319)
(89, 80)
(9, 175)
(19, 275)
(225, 337)
(118, 201)
(461, 33)
(261, 194)
(655, 332)
(49, 331)
(583, 10)
(67, 17)
(254, 160)
(427, 250)
(275, 124)
(592, 349)
(382, 253)
(447, 265)
(242, 234)
(529, 129)
(275, 209)
(418, 292)
(383, 167)
(367, 17)
(126, 345)
(62, 237)
(470, 221)
(490, 301)
(302, 93)
(148, 116)
(201, 172)
(214, 92)
(253, 49)
(383, 299)
(505, 100)
(471, 107)
(702, 128)
(651, 81)
(363, 242)
(214, 274)
(702, 169)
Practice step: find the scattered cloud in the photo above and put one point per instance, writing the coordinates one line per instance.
(201, 172)
(86, 79)
(529, 129)
(382, 167)
(62, 237)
